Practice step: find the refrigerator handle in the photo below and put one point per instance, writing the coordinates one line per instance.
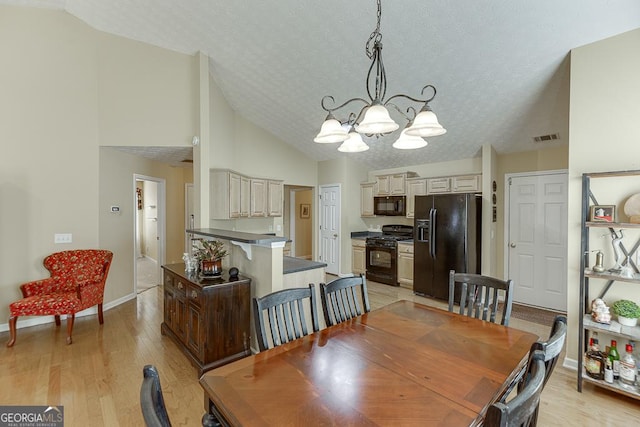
(432, 232)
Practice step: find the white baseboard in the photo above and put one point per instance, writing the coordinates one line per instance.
(27, 321)
(570, 364)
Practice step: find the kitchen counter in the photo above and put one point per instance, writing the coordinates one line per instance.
(294, 265)
(238, 236)
(362, 235)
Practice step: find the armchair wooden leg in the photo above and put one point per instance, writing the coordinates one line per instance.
(12, 329)
(70, 319)
(57, 316)
(100, 318)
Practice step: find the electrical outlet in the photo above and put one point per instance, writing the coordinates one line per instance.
(62, 238)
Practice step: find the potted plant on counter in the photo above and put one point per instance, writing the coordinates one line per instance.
(209, 253)
(627, 311)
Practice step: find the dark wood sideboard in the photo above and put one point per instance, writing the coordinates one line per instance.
(209, 319)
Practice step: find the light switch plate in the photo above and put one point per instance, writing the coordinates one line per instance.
(62, 238)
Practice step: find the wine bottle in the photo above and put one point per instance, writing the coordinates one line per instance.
(614, 356)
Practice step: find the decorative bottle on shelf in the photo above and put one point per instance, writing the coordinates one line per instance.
(614, 356)
(628, 367)
(594, 360)
(608, 371)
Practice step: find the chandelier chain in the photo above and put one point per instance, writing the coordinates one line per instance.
(376, 35)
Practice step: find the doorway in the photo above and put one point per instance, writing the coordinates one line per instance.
(149, 230)
(536, 238)
(330, 227)
(298, 221)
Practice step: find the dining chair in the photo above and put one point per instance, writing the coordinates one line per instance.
(286, 315)
(479, 296)
(151, 400)
(340, 300)
(550, 348)
(522, 410)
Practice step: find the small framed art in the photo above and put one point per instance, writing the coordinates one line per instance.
(304, 210)
(602, 213)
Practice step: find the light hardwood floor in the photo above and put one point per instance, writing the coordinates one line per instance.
(97, 378)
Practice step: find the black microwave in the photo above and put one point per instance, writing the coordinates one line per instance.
(390, 205)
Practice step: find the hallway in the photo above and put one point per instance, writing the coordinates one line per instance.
(146, 276)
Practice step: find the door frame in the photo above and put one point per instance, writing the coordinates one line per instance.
(507, 203)
(162, 213)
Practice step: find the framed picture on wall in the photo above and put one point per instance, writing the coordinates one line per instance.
(305, 210)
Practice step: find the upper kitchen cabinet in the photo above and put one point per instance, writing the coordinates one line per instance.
(454, 184)
(229, 195)
(258, 201)
(415, 187)
(237, 196)
(276, 198)
(393, 184)
(367, 191)
(465, 184)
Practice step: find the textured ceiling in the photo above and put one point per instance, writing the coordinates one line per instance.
(501, 68)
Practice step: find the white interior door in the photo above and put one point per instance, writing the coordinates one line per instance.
(330, 228)
(537, 238)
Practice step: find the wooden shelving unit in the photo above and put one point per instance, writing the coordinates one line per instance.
(587, 324)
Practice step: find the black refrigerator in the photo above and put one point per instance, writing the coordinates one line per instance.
(447, 236)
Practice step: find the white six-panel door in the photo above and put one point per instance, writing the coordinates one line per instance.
(330, 227)
(536, 238)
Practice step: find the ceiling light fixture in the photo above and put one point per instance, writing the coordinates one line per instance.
(373, 118)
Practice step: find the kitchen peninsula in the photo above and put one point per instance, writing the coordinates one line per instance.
(260, 257)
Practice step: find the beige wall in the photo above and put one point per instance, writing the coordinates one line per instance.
(117, 171)
(66, 90)
(604, 135)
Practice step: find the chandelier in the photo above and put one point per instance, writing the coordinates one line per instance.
(373, 117)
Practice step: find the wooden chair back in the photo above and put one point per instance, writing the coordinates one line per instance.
(340, 299)
(286, 315)
(151, 400)
(479, 296)
(522, 410)
(550, 348)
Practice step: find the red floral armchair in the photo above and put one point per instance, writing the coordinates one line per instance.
(76, 283)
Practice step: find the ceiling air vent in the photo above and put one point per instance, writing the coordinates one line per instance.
(546, 138)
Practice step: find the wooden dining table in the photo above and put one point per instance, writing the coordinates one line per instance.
(402, 364)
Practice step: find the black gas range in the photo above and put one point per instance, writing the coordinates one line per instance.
(382, 253)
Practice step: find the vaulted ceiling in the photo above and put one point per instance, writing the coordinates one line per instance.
(501, 68)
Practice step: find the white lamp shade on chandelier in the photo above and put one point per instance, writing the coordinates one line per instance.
(426, 124)
(354, 144)
(331, 132)
(376, 121)
(408, 142)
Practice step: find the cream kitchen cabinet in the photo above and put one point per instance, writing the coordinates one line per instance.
(393, 184)
(454, 184)
(415, 187)
(465, 184)
(438, 185)
(229, 194)
(405, 265)
(275, 191)
(258, 200)
(367, 191)
(358, 256)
